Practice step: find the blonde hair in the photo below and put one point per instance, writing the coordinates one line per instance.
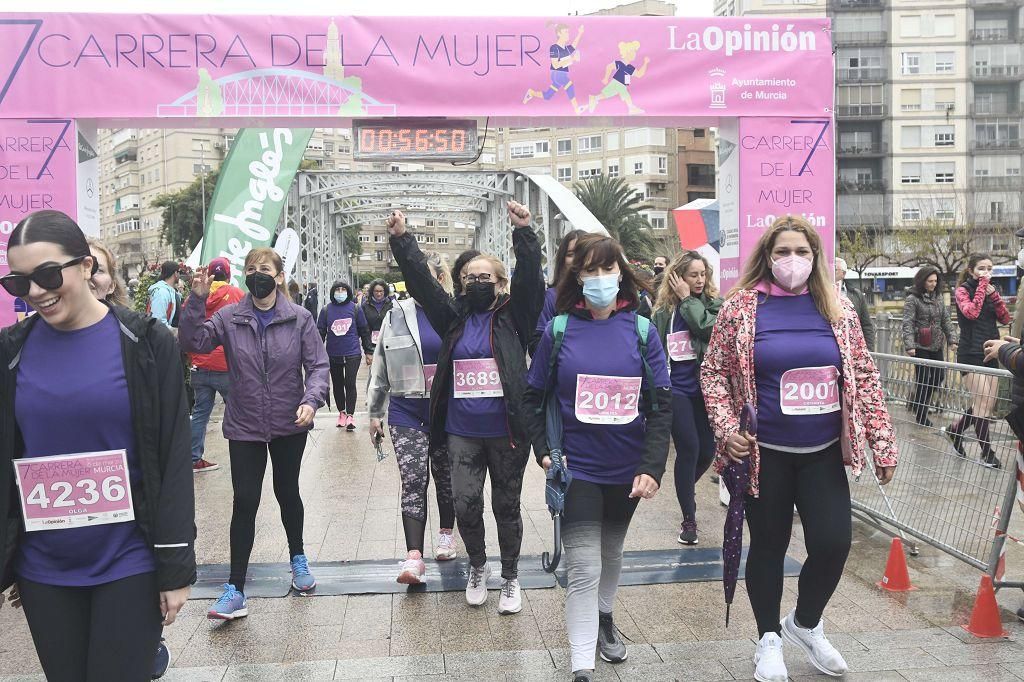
(501, 286)
(265, 254)
(667, 298)
(632, 46)
(758, 267)
(438, 265)
(118, 296)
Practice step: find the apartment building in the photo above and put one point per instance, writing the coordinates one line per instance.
(928, 112)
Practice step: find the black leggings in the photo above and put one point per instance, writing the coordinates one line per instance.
(695, 449)
(343, 378)
(926, 380)
(816, 483)
(248, 464)
(95, 634)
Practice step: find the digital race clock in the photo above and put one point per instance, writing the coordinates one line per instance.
(410, 139)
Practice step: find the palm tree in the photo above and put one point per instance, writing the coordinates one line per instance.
(617, 207)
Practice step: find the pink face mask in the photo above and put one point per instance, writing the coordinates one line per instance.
(792, 272)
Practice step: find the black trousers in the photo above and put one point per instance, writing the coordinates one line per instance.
(343, 379)
(95, 634)
(816, 483)
(926, 380)
(695, 449)
(248, 464)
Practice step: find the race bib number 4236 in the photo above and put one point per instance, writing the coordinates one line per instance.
(477, 378)
(810, 390)
(71, 491)
(607, 400)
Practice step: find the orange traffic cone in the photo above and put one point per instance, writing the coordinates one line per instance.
(896, 578)
(985, 616)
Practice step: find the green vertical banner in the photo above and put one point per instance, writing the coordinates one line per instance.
(250, 194)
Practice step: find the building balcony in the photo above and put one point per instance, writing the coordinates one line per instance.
(874, 74)
(876, 186)
(996, 182)
(856, 4)
(1013, 219)
(849, 222)
(997, 72)
(995, 108)
(995, 145)
(861, 151)
(657, 202)
(993, 35)
(991, 4)
(861, 111)
(860, 37)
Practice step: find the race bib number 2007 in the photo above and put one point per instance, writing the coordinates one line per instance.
(810, 390)
(71, 491)
(607, 400)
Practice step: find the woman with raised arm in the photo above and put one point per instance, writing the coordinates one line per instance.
(476, 401)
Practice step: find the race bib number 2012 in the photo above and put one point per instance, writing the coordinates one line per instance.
(71, 491)
(607, 400)
(810, 390)
(477, 378)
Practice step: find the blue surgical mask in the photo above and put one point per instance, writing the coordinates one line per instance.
(340, 296)
(601, 291)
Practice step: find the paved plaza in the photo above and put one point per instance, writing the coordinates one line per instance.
(677, 631)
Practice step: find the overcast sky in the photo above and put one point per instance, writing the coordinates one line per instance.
(342, 7)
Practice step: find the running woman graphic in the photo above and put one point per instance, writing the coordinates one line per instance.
(562, 56)
(617, 85)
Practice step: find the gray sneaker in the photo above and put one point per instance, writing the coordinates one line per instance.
(609, 644)
(583, 676)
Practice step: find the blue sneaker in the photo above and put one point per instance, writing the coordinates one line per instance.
(163, 659)
(302, 579)
(231, 605)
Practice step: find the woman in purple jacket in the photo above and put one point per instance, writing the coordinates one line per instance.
(269, 342)
(342, 326)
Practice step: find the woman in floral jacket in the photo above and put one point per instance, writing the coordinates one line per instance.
(785, 343)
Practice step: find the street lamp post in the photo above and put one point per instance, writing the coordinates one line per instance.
(202, 178)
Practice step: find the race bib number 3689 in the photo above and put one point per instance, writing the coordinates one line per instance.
(810, 390)
(71, 491)
(607, 400)
(477, 378)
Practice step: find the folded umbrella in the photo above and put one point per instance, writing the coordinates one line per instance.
(737, 477)
(557, 481)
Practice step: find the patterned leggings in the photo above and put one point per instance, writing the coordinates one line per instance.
(413, 453)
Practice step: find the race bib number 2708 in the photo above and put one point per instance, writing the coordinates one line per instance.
(71, 491)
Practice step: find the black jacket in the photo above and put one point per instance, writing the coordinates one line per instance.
(1011, 356)
(657, 423)
(513, 323)
(165, 501)
(374, 320)
(974, 333)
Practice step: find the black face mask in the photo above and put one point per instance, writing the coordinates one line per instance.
(658, 270)
(480, 296)
(260, 284)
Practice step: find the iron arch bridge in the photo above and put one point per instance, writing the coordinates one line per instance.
(322, 203)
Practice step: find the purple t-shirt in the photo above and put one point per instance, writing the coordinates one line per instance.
(623, 71)
(804, 411)
(475, 417)
(342, 322)
(559, 52)
(685, 381)
(548, 311)
(414, 413)
(72, 397)
(264, 318)
(603, 453)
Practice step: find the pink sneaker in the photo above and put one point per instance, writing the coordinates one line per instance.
(444, 548)
(350, 423)
(411, 572)
(341, 420)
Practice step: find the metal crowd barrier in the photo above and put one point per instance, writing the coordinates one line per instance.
(938, 497)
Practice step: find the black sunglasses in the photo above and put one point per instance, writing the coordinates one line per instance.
(48, 277)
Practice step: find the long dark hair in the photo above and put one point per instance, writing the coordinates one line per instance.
(460, 263)
(373, 285)
(922, 275)
(339, 284)
(972, 261)
(53, 227)
(563, 251)
(595, 249)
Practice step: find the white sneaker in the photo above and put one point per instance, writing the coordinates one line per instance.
(768, 661)
(813, 642)
(511, 597)
(411, 572)
(444, 548)
(476, 588)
